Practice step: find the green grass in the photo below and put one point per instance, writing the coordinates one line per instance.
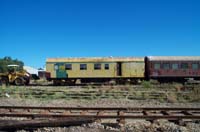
(146, 84)
(170, 93)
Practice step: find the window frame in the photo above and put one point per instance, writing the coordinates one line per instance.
(166, 65)
(155, 66)
(68, 68)
(97, 66)
(83, 66)
(56, 67)
(106, 66)
(173, 68)
(196, 67)
(183, 67)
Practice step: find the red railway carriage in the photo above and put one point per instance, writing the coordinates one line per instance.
(172, 68)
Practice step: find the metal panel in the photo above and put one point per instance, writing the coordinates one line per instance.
(189, 72)
(129, 68)
(60, 70)
(50, 69)
(133, 69)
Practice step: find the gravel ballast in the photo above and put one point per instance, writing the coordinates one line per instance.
(132, 126)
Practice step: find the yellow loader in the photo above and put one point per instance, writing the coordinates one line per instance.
(15, 76)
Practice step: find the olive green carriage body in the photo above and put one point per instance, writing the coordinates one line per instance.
(95, 68)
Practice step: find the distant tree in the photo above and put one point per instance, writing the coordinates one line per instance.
(7, 60)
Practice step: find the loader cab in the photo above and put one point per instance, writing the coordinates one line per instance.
(13, 68)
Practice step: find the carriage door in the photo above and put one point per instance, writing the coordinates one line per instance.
(60, 70)
(119, 69)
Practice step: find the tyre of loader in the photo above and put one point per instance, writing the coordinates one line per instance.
(19, 81)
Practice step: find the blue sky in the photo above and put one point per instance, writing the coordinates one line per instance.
(33, 30)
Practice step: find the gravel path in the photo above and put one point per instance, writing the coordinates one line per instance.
(94, 103)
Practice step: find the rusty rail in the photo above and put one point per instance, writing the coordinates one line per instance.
(147, 117)
(100, 108)
(35, 116)
(101, 112)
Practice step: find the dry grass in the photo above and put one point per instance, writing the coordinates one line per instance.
(172, 98)
(178, 87)
(195, 94)
(147, 92)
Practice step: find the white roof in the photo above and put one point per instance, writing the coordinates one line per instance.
(31, 70)
(13, 65)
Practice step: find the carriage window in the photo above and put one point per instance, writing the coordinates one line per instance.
(83, 67)
(157, 66)
(184, 65)
(106, 67)
(68, 67)
(97, 66)
(166, 66)
(56, 67)
(195, 66)
(174, 66)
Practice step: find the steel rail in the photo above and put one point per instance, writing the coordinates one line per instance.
(146, 113)
(103, 108)
(62, 115)
(146, 117)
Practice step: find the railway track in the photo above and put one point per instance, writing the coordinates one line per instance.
(147, 113)
(29, 116)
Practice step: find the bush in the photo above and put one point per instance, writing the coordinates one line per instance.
(8, 61)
